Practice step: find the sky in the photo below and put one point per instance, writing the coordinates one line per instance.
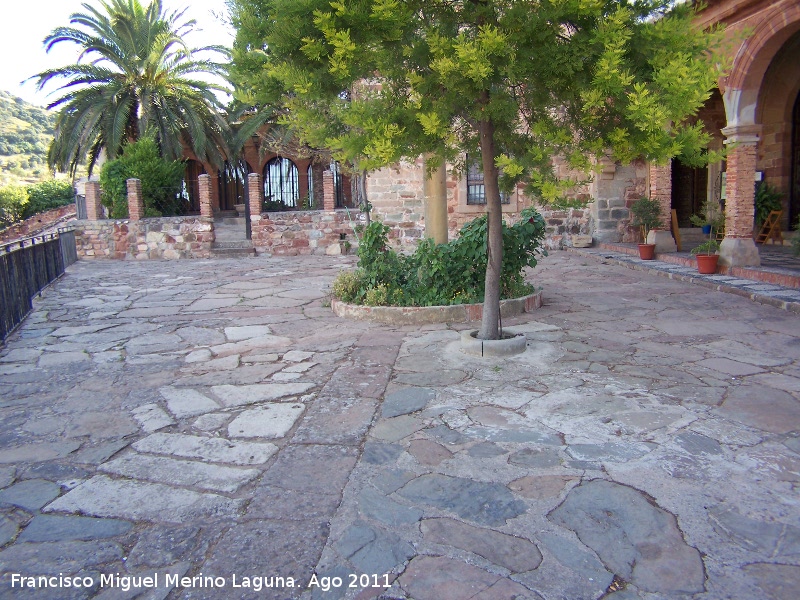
(25, 23)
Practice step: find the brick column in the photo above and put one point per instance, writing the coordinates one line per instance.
(328, 191)
(255, 195)
(135, 200)
(740, 202)
(204, 183)
(94, 206)
(661, 190)
(738, 248)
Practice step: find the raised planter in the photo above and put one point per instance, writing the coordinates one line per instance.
(512, 343)
(425, 315)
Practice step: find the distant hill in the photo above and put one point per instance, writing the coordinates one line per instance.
(26, 131)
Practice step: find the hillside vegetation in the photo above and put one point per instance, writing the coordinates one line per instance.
(26, 131)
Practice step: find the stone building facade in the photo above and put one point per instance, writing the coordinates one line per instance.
(755, 112)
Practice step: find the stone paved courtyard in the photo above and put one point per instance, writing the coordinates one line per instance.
(214, 421)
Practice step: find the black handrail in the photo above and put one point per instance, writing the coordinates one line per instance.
(28, 266)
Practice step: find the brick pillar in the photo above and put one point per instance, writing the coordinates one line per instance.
(94, 206)
(738, 248)
(255, 194)
(204, 183)
(740, 202)
(328, 191)
(661, 190)
(135, 199)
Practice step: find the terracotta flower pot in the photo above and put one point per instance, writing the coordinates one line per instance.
(647, 251)
(707, 263)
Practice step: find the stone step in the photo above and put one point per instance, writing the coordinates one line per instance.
(228, 244)
(232, 252)
(229, 222)
(225, 235)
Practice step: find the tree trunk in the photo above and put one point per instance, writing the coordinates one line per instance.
(490, 324)
(363, 201)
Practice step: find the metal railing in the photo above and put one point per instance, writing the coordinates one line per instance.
(26, 268)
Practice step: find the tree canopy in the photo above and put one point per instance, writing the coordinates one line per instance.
(521, 81)
(138, 76)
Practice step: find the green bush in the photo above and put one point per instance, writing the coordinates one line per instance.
(347, 286)
(13, 199)
(47, 195)
(161, 180)
(451, 273)
(767, 199)
(18, 202)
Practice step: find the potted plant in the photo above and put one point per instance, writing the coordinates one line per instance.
(646, 216)
(710, 218)
(707, 257)
(701, 221)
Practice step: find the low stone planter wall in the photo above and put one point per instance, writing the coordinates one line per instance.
(425, 315)
(152, 238)
(302, 231)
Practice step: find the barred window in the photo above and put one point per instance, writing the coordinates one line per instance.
(476, 189)
(281, 181)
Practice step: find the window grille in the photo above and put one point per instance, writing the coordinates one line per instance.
(476, 189)
(310, 175)
(281, 182)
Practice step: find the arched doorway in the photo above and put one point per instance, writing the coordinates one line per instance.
(231, 183)
(190, 192)
(281, 182)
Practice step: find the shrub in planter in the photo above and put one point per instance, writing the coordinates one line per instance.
(443, 274)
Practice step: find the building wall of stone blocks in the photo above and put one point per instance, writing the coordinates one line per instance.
(152, 238)
(397, 197)
(303, 232)
(614, 189)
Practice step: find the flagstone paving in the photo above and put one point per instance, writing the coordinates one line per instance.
(214, 420)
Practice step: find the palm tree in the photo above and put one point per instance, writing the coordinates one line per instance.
(139, 76)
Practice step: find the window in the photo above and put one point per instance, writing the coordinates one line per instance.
(476, 190)
(310, 175)
(338, 184)
(281, 182)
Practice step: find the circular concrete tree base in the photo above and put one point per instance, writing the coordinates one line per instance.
(511, 344)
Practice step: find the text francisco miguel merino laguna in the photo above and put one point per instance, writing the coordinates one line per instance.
(176, 580)
(129, 582)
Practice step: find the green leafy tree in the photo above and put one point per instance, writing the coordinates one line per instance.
(47, 195)
(140, 75)
(518, 81)
(161, 180)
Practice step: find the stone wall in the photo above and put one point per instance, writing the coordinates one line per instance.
(614, 190)
(36, 224)
(302, 232)
(397, 197)
(167, 237)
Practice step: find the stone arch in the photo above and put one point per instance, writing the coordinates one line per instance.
(752, 60)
